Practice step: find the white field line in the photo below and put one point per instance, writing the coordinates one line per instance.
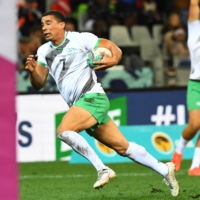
(88, 175)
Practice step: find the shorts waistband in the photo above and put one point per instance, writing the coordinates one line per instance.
(195, 80)
(92, 94)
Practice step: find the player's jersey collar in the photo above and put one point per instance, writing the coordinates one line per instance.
(61, 42)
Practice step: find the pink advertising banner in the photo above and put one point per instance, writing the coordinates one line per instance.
(8, 164)
(8, 61)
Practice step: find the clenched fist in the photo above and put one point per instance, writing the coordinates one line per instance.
(31, 63)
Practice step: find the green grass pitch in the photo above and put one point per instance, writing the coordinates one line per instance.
(62, 181)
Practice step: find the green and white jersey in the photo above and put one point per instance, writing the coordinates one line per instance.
(67, 64)
(194, 48)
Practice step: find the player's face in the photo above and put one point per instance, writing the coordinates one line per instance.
(51, 27)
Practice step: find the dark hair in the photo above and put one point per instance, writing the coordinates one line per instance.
(57, 14)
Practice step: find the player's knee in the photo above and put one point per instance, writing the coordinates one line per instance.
(121, 151)
(61, 129)
(195, 127)
(64, 128)
(121, 148)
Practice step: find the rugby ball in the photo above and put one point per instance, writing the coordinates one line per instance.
(96, 55)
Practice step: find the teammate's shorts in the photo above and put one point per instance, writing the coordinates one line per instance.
(193, 95)
(97, 105)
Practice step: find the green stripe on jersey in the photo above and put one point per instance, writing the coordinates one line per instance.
(40, 63)
(61, 42)
(97, 44)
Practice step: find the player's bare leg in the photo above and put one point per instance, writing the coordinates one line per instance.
(74, 121)
(188, 133)
(110, 135)
(195, 166)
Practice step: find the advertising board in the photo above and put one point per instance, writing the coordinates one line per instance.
(142, 116)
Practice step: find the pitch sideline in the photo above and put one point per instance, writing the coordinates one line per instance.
(88, 175)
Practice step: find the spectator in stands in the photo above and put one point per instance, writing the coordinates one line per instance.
(174, 37)
(76, 3)
(127, 13)
(70, 24)
(165, 7)
(27, 46)
(172, 23)
(182, 8)
(113, 13)
(99, 17)
(176, 42)
(23, 51)
(28, 16)
(20, 3)
(63, 6)
(36, 32)
(148, 13)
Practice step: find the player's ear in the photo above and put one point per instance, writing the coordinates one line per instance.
(62, 24)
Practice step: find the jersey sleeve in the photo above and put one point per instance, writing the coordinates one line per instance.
(41, 57)
(89, 40)
(193, 32)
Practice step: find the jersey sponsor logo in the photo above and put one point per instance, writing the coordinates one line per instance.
(162, 142)
(70, 51)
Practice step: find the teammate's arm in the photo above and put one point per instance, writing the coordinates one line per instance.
(108, 61)
(38, 73)
(194, 11)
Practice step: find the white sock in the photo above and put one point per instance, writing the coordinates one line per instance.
(196, 158)
(181, 145)
(80, 145)
(139, 154)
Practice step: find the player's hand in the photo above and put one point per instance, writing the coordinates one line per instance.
(31, 63)
(106, 62)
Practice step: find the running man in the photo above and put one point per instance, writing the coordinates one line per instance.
(193, 93)
(64, 56)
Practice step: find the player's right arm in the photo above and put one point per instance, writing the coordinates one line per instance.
(38, 73)
(194, 11)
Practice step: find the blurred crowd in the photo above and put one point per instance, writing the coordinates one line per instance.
(100, 15)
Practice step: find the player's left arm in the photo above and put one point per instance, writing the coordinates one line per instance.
(108, 61)
(194, 11)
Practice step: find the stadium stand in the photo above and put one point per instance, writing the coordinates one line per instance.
(120, 36)
(142, 46)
